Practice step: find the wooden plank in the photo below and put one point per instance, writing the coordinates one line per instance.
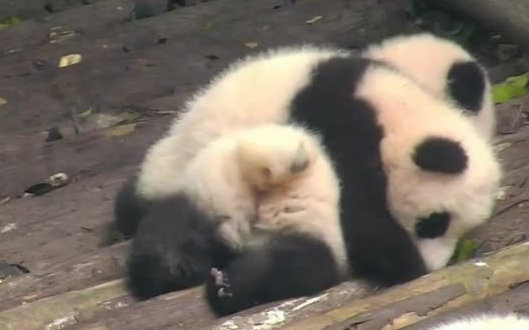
(58, 311)
(515, 300)
(80, 272)
(27, 159)
(438, 292)
(109, 77)
(111, 19)
(27, 9)
(448, 289)
(58, 226)
(511, 18)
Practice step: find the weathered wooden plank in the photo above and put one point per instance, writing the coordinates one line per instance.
(449, 289)
(441, 291)
(80, 272)
(111, 19)
(58, 226)
(58, 311)
(27, 159)
(515, 300)
(511, 19)
(110, 77)
(25, 9)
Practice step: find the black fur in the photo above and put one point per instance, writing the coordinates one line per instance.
(432, 226)
(288, 265)
(466, 85)
(129, 209)
(439, 154)
(174, 249)
(378, 247)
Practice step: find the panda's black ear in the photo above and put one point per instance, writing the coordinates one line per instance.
(438, 154)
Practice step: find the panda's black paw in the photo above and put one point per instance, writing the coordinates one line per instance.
(221, 298)
(222, 283)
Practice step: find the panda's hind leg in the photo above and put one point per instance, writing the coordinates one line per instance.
(176, 245)
(280, 267)
(129, 209)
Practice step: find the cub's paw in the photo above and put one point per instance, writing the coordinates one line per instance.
(220, 298)
(222, 283)
(272, 155)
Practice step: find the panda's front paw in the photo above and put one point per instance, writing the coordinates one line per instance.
(222, 283)
(221, 298)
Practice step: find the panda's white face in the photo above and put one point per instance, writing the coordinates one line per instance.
(440, 189)
(442, 175)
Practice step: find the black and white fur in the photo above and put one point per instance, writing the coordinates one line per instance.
(445, 69)
(415, 174)
(254, 203)
(485, 321)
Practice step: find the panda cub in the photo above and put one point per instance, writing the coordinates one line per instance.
(445, 69)
(489, 321)
(256, 203)
(413, 174)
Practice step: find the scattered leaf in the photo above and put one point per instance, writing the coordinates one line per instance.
(8, 227)
(251, 44)
(511, 88)
(502, 193)
(9, 21)
(502, 146)
(85, 113)
(59, 36)
(2, 101)
(314, 19)
(54, 134)
(38, 189)
(5, 200)
(68, 60)
(58, 179)
(207, 25)
(122, 130)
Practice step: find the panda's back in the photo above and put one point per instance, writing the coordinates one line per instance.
(253, 91)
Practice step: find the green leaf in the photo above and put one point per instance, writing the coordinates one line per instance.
(122, 130)
(9, 21)
(464, 251)
(511, 88)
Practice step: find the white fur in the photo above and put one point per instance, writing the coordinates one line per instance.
(271, 178)
(253, 91)
(412, 192)
(509, 321)
(258, 90)
(427, 58)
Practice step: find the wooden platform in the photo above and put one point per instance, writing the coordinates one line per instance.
(138, 63)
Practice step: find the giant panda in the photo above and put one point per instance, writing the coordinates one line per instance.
(414, 174)
(262, 205)
(444, 68)
(485, 321)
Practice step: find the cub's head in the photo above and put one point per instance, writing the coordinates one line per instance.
(442, 182)
(272, 155)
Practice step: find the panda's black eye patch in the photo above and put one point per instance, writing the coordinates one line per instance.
(433, 226)
(438, 154)
(466, 85)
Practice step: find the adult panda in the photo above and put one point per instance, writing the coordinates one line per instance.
(444, 68)
(485, 321)
(415, 174)
(262, 205)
